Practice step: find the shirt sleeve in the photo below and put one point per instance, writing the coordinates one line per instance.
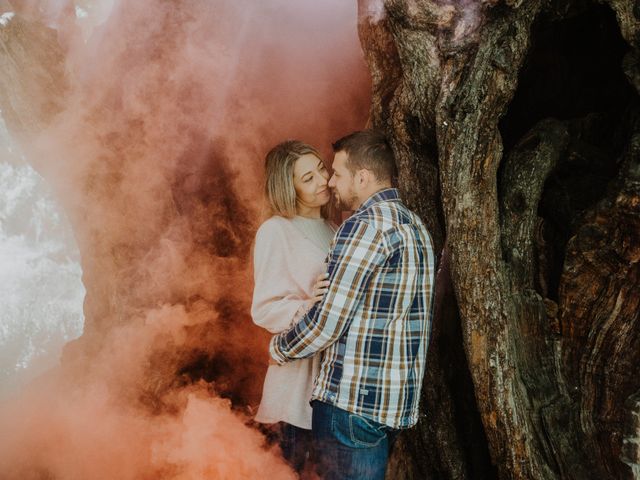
(358, 251)
(277, 302)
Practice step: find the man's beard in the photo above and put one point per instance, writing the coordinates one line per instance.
(346, 204)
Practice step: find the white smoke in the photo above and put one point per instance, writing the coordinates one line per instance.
(41, 292)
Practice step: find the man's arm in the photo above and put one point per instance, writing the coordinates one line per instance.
(358, 251)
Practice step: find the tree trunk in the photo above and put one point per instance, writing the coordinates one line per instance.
(552, 385)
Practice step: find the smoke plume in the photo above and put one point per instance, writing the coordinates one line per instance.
(150, 120)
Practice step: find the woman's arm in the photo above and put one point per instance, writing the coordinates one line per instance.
(277, 299)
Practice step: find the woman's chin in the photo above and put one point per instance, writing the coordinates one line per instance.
(324, 199)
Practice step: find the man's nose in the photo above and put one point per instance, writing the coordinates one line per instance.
(332, 181)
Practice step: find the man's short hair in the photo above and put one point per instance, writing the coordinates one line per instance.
(370, 150)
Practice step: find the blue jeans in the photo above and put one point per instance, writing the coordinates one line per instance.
(296, 444)
(348, 446)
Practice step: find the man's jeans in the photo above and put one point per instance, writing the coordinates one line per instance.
(348, 446)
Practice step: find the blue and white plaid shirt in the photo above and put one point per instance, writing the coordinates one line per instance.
(373, 324)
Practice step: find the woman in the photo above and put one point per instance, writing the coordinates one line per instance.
(289, 273)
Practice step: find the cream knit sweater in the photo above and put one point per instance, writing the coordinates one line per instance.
(288, 256)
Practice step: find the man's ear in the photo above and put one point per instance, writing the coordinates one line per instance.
(363, 178)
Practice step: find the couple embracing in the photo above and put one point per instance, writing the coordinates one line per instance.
(350, 309)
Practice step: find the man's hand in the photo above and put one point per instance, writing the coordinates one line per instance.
(320, 287)
(273, 361)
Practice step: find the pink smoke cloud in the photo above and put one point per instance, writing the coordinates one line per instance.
(156, 153)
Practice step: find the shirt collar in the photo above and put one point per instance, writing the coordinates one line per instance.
(386, 195)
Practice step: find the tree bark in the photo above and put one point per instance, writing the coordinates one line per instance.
(453, 72)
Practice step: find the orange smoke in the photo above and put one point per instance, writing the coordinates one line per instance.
(155, 150)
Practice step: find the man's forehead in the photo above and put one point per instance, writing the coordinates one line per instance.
(340, 158)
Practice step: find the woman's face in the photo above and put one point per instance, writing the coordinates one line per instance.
(310, 181)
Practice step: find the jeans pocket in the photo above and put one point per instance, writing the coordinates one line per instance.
(365, 433)
(354, 431)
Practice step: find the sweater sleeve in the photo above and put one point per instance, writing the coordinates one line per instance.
(277, 301)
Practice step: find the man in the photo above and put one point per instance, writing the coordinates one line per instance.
(373, 323)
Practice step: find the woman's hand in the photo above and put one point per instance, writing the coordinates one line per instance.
(320, 287)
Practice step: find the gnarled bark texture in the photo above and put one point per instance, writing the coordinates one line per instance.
(547, 299)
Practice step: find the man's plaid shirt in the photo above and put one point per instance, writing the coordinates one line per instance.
(373, 324)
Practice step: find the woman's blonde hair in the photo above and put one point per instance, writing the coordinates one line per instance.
(279, 190)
